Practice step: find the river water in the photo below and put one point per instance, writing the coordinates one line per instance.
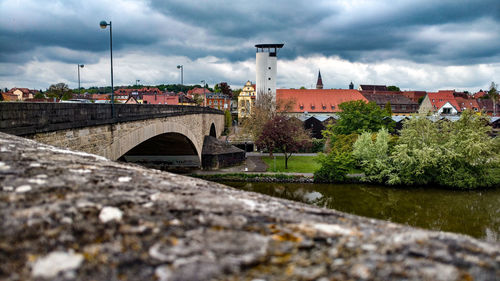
(474, 213)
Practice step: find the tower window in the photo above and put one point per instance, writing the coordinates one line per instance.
(269, 78)
(269, 89)
(269, 67)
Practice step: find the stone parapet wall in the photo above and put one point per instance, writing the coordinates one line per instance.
(70, 215)
(20, 118)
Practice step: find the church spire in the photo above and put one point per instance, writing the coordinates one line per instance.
(319, 84)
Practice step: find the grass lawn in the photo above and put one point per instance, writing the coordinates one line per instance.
(296, 164)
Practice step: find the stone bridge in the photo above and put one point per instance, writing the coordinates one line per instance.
(135, 131)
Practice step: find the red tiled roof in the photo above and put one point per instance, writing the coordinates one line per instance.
(467, 103)
(479, 94)
(315, 100)
(9, 97)
(441, 98)
(414, 95)
(199, 91)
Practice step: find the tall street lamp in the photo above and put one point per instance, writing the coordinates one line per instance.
(79, 88)
(181, 67)
(204, 95)
(103, 25)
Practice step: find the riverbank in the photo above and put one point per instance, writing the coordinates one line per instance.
(267, 177)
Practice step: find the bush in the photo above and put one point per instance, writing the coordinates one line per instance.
(334, 167)
(317, 145)
(457, 154)
(373, 156)
(342, 143)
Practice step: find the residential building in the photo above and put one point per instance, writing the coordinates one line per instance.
(160, 99)
(23, 93)
(372, 88)
(414, 95)
(200, 92)
(131, 100)
(448, 102)
(315, 101)
(486, 105)
(122, 94)
(186, 99)
(218, 101)
(8, 97)
(246, 101)
(400, 104)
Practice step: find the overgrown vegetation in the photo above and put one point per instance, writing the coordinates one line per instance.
(457, 154)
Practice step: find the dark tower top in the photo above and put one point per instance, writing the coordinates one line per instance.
(351, 86)
(319, 84)
(272, 49)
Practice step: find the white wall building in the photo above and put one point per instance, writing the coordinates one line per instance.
(266, 68)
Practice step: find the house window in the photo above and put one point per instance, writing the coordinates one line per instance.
(324, 107)
(433, 100)
(403, 107)
(301, 107)
(313, 107)
(333, 107)
(215, 102)
(446, 110)
(210, 102)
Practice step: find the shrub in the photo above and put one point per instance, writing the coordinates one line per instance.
(334, 167)
(373, 156)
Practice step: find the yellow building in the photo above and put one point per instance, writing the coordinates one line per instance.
(246, 101)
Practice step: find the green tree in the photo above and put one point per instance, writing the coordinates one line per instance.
(59, 91)
(227, 121)
(393, 88)
(420, 100)
(388, 108)
(39, 95)
(334, 167)
(373, 156)
(357, 117)
(284, 134)
(457, 154)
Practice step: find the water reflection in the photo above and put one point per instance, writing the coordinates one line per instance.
(475, 213)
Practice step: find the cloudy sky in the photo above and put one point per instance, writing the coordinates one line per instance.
(414, 44)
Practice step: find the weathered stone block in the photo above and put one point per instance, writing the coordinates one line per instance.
(94, 219)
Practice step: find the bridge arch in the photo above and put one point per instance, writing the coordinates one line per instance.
(213, 132)
(121, 145)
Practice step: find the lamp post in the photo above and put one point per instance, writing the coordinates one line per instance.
(79, 88)
(204, 97)
(103, 25)
(181, 67)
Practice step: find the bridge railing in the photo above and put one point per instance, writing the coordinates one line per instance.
(22, 118)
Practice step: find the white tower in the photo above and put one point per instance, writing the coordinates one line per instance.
(266, 69)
